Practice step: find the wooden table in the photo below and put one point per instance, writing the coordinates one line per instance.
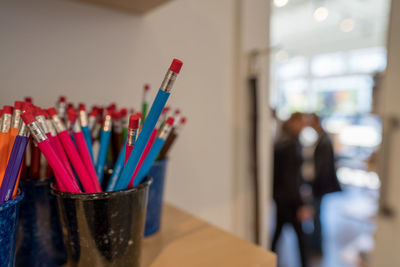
(187, 241)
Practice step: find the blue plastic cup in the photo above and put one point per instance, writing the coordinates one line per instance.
(156, 192)
(39, 238)
(8, 230)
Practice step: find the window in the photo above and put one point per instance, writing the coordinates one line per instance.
(335, 83)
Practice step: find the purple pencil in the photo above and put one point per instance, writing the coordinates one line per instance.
(14, 163)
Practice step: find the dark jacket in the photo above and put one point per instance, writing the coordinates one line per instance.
(325, 172)
(287, 172)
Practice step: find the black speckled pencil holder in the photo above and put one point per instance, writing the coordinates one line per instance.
(103, 229)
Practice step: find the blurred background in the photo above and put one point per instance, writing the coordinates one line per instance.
(248, 66)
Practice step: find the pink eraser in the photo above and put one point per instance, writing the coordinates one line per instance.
(176, 65)
(116, 115)
(18, 105)
(7, 109)
(170, 121)
(82, 107)
(27, 117)
(52, 111)
(124, 112)
(133, 122)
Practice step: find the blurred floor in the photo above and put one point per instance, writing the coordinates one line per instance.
(348, 229)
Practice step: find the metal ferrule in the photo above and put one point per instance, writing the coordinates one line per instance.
(16, 118)
(131, 138)
(83, 119)
(165, 132)
(52, 130)
(76, 128)
(107, 123)
(37, 132)
(96, 131)
(69, 126)
(42, 122)
(23, 130)
(124, 122)
(168, 81)
(58, 124)
(91, 122)
(6, 123)
(62, 108)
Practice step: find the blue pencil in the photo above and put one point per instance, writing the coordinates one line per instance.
(88, 139)
(118, 167)
(153, 153)
(14, 164)
(104, 143)
(83, 120)
(150, 123)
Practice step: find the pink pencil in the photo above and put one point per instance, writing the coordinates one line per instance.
(64, 180)
(72, 153)
(85, 155)
(132, 134)
(55, 141)
(144, 155)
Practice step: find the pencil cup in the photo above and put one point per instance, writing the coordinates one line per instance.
(103, 229)
(8, 230)
(39, 238)
(155, 203)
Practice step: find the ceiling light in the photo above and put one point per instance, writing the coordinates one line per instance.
(321, 13)
(347, 25)
(280, 3)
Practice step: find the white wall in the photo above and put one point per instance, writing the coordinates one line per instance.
(97, 55)
(386, 253)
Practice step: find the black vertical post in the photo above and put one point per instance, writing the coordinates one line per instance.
(252, 83)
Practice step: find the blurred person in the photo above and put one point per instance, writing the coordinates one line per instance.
(287, 181)
(324, 178)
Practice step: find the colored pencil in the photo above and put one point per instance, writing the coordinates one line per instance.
(154, 151)
(10, 180)
(132, 135)
(116, 135)
(4, 139)
(145, 103)
(56, 142)
(71, 150)
(64, 180)
(171, 138)
(104, 143)
(92, 185)
(144, 155)
(150, 123)
(118, 167)
(83, 120)
(61, 107)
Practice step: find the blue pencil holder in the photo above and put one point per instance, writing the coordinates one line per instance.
(8, 230)
(39, 238)
(155, 203)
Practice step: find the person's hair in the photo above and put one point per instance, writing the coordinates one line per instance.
(296, 116)
(315, 118)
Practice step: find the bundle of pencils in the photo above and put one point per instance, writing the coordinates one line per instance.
(105, 149)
